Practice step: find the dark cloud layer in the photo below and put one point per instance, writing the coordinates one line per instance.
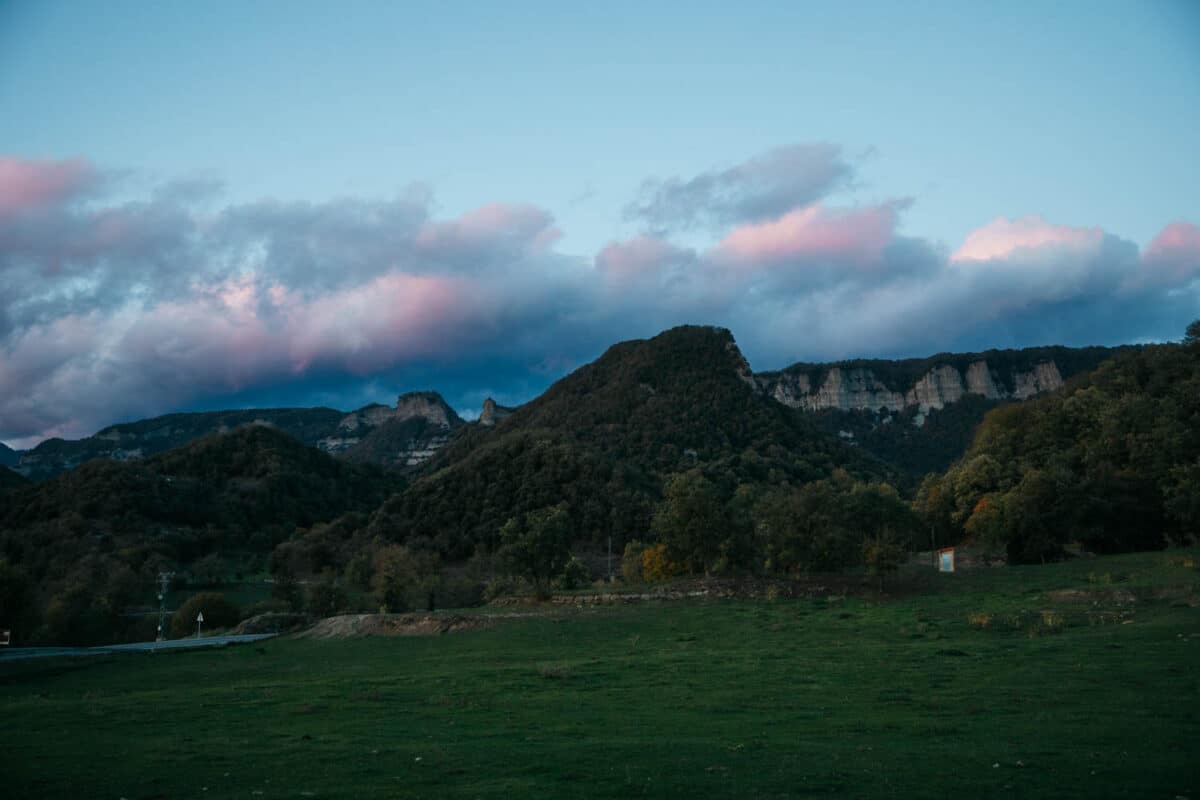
(117, 309)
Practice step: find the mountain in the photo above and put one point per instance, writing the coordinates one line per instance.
(605, 437)
(232, 497)
(8, 456)
(94, 539)
(920, 413)
(334, 432)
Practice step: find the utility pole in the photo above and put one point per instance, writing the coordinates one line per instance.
(610, 575)
(164, 580)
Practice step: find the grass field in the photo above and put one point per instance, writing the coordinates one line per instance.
(994, 683)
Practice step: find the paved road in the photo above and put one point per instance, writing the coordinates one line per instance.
(14, 653)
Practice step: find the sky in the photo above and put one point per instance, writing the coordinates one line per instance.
(225, 204)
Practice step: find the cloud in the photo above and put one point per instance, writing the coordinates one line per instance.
(758, 189)
(814, 233)
(32, 186)
(1005, 238)
(1173, 256)
(114, 309)
(640, 257)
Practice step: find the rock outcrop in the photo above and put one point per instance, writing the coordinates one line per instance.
(429, 406)
(493, 412)
(859, 388)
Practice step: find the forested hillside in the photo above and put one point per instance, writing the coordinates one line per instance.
(93, 539)
(1112, 462)
(605, 438)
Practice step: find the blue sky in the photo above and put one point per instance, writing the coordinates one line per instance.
(534, 158)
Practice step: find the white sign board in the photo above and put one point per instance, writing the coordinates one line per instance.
(946, 560)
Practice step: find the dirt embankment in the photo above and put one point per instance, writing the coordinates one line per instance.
(354, 625)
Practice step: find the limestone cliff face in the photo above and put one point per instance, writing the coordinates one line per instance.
(407, 435)
(859, 388)
(493, 412)
(429, 406)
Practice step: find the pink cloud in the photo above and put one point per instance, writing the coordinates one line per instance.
(495, 224)
(369, 327)
(32, 185)
(1179, 241)
(1173, 257)
(639, 256)
(856, 236)
(1004, 237)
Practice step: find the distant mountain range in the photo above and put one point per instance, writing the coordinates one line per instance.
(917, 414)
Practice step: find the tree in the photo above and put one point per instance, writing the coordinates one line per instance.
(325, 597)
(405, 579)
(883, 554)
(18, 611)
(536, 546)
(1183, 503)
(1191, 337)
(691, 521)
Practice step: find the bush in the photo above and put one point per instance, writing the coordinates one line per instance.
(219, 612)
(325, 598)
(574, 575)
(655, 564)
(462, 592)
(405, 579)
(501, 586)
(631, 562)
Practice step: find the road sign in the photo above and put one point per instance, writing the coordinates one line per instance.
(5, 636)
(200, 617)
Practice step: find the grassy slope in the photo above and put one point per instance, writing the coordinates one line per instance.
(786, 698)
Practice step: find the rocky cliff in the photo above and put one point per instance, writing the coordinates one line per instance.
(493, 412)
(927, 384)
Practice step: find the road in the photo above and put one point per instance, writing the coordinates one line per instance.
(15, 653)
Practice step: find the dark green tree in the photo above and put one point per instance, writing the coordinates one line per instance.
(18, 602)
(405, 579)
(691, 521)
(537, 546)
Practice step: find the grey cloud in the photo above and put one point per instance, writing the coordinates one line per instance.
(763, 187)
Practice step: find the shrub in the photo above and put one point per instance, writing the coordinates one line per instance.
(631, 562)
(405, 579)
(655, 564)
(219, 612)
(501, 586)
(460, 592)
(325, 597)
(574, 575)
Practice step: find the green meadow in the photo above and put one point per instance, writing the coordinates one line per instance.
(1069, 680)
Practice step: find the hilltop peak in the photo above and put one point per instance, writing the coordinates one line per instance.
(427, 405)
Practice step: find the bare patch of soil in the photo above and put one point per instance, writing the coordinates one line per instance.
(350, 626)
